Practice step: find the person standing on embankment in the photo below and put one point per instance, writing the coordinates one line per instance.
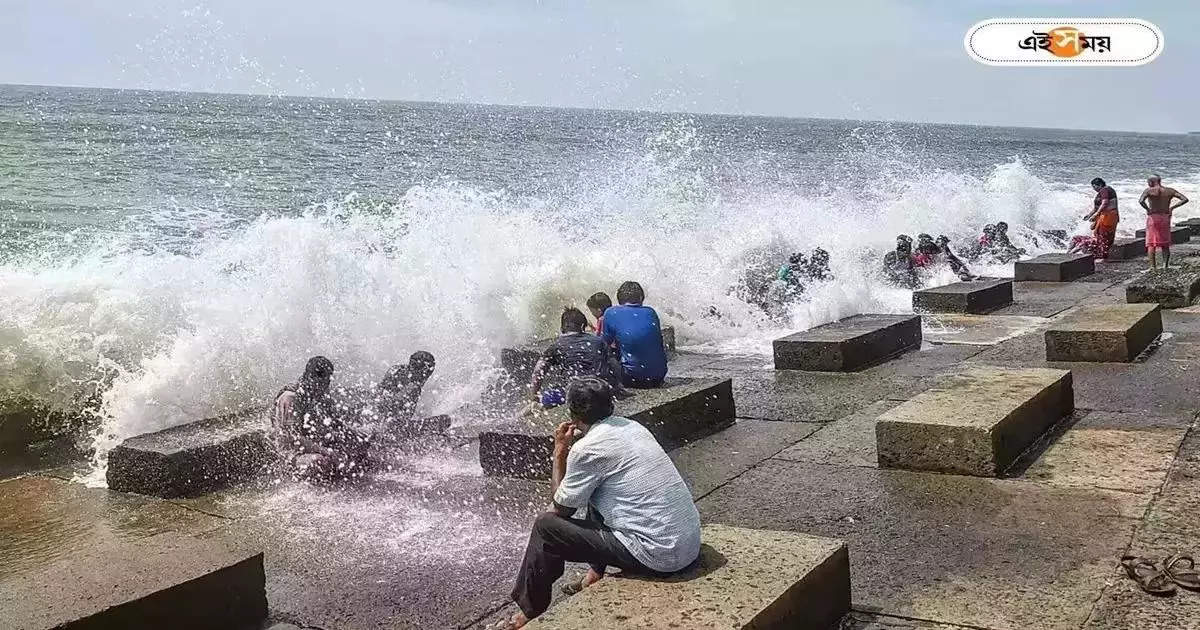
(1157, 200)
(1104, 217)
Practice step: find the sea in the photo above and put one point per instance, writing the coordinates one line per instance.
(166, 257)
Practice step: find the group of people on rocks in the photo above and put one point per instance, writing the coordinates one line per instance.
(326, 434)
(624, 348)
(904, 265)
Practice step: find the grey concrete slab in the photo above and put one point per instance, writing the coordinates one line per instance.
(850, 344)
(746, 579)
(1103, 333)
(679, 410)
(712, 461)
(1127, 249)
(848, 441)
(981, 330)
(1161, 385)
(1181, 320)
(976, 296)
(1171, 288)
(977, 422)
(1174, 510)
(437, 550)
(959, 550)
(1046, 299)
(1054, 268)
(1129, 452)
(193, 458)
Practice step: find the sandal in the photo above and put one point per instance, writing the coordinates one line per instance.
(1181, 568)
(1147, 575)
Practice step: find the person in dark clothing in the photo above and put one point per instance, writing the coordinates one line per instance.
(899, 265)
(818, 266)
(312, 435)
(574, 354)
(956, 265)
(395, 399)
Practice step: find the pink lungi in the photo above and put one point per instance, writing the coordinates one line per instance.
(1158, 230)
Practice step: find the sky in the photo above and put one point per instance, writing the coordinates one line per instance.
(858, 59)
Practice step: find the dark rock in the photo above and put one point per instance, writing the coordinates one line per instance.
(682, 408)
(976, 296)
(193, 458)
(850, 344)
(1105, 332)
(1054, 267)
(1170, 288)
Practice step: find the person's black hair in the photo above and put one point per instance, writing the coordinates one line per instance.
(599, 301)
(1001, 225)
(421, 364)
(589, 399)
(1098, 182)
(318, 367)
(630, 293)
(573, 320)
(924, 237)
(796, 259)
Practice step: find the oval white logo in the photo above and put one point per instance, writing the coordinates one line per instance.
(1064, 41)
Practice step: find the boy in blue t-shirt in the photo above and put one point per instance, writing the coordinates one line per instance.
(636, 331)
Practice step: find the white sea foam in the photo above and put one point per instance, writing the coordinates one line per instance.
(220, 325)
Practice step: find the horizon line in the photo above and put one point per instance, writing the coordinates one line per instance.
(582, 108)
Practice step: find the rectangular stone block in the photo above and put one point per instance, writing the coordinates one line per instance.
(1054, 268)
(976, 423)
(518, 362)
(1179, 234)
(194, 458)
(745, 579)
(1193, 226)
(682, 408)
(1127, 249)
(850, 344)
(163, 581)
(1169, 288)
(1115, 333)
(976, 296)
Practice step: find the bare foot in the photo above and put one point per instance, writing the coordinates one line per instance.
(517, 621)
(591, 578)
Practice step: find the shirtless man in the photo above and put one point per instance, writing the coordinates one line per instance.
(1157, 200)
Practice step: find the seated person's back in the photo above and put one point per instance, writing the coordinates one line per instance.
(574, 354)
(636, 330)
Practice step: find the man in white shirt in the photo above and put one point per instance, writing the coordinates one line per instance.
(640, 513)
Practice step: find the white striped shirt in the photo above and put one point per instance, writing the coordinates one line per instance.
(621, 471)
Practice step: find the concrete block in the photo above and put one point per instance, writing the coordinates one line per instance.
(1054, 268)
(163, 581)
(977, 296)
(1179, 234)
(1170, 288)
(1115, 333)
(518, 361)
(745, 579)
(193, 458)
(1127, 249)
(850, 344)
(1193, 226)
(681, 409)
(976, 423)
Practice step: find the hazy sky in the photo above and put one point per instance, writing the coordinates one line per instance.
(875, 59)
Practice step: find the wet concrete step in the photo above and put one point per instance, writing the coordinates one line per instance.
(1127, 249)
(518, 361)
(163, 581)
(1179, 234)
(976, 296)
(976, 423)
(850, 344)
(746, 578)
(681, 409)
(194, 458)
(1169, 288)
(1106, 333)
(1193, 225)
(1054, 268)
